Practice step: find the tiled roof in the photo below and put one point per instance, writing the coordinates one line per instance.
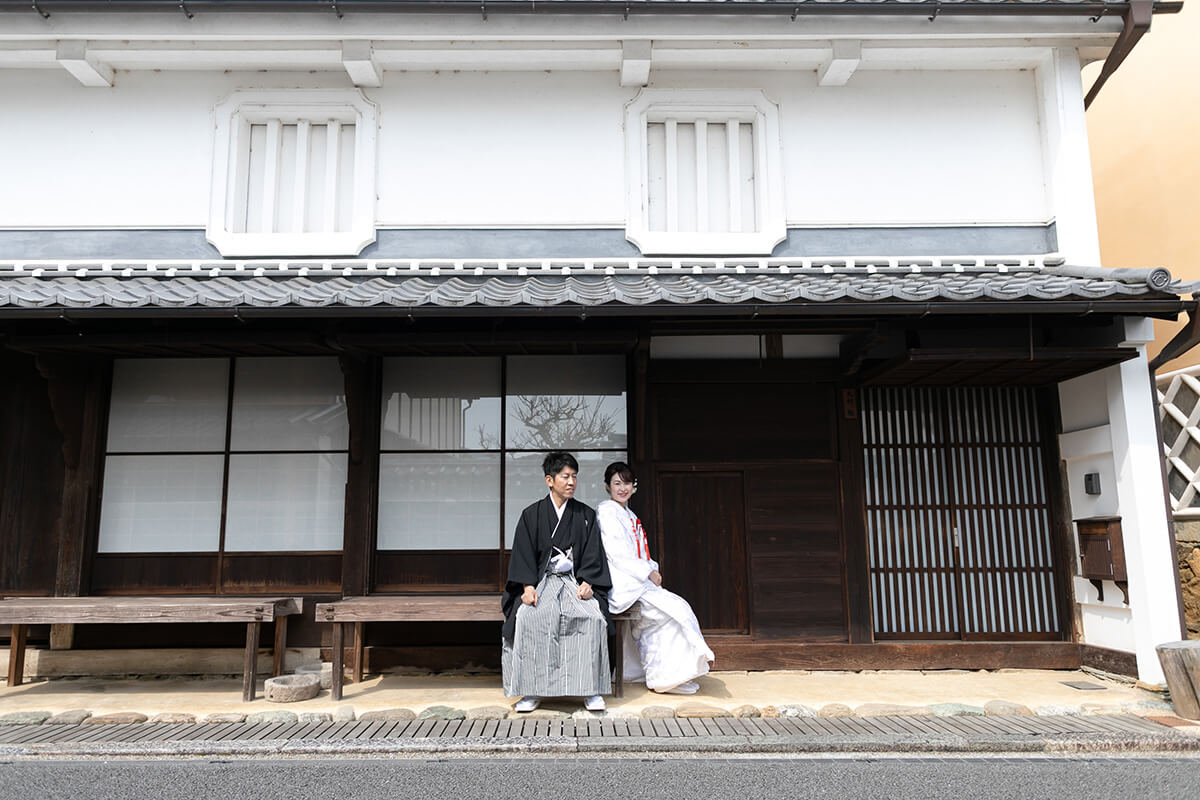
(540, 284)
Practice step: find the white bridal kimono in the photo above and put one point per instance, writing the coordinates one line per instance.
(670, 650)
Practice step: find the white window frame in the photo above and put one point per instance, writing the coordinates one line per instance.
(234, 117)
(714, 106)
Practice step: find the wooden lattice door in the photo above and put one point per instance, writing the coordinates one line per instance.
(958, 514)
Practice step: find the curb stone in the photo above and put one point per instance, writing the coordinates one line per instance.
(73, 717)
(836, 710)
(891, 710)
(956, 710)
(442, 712)
(119, 718)
(273, 717)
(796, 710)
(1005, 708)
(386, 715)
(225, 717)
(657, 712)
(173, 718)
(25, 718)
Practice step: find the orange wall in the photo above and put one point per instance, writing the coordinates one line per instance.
(1144, 129)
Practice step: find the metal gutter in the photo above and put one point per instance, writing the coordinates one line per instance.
(793, 8)
(1137, 15)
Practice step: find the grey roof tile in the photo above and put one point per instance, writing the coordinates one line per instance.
(543, 284)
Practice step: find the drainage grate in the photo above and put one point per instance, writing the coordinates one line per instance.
(801, 727)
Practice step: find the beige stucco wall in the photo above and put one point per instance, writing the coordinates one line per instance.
(1144, 129)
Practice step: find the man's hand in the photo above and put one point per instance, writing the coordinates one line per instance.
(585, 590)
(655, 577)
(529, 596)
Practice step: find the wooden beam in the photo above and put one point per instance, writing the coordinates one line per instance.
(1115, 661)
(844, 59)
(752, 655)
(74, 57)
(359, 60)
(636, 56)
(1187, 338)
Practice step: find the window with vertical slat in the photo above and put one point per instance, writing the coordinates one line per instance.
(294, 174)
(703, 173)
(958, 514)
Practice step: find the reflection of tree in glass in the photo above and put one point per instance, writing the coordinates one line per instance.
(551, 421)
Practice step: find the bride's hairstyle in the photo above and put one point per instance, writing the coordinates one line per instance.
(622, 469)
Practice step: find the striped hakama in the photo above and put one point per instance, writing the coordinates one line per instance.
(560, 647)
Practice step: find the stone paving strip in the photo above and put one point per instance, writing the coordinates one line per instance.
(692, 727)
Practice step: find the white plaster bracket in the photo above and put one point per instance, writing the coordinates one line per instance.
(359, 61)
(635, 62)
(74, 57)
(844, 60)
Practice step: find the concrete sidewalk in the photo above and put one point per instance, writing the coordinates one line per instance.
(776, 711)
(778, 693)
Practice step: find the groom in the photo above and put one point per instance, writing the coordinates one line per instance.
(558, 581)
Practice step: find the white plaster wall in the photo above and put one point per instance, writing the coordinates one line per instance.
(1120, 442)
(529, 148)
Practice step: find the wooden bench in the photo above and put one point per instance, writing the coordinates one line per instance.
(21, 612)
(425, 608)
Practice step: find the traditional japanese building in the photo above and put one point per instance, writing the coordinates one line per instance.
(294, 296)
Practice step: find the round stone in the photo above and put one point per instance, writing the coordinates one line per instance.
(324, 670)
(292, 688)
(658, 712)
(835, 710)
(73, 717)
(488, 712)
(442, 712)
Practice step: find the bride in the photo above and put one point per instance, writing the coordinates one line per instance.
(671, 651)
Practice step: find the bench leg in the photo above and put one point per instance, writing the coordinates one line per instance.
(619, 664)
(358, 652)
(280, 645)
(16, 655)
(338, 661)
(251, 660)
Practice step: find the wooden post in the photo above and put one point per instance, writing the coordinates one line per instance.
(854, 522)
(250, 663)
(339, 659)
(280, 646)
(362, 377)
(1181, 664)
(358, 652)
(78, 389)
(16, 655)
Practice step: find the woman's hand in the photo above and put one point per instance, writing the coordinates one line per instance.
(585, 591)
(655, 577)
(529, 596)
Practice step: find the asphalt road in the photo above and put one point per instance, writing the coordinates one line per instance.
(883, 778)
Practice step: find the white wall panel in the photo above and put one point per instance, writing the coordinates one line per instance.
(530, 148)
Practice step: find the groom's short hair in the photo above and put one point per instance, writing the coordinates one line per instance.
(555, 462)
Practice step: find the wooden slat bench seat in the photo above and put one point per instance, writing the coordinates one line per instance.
(21, 612)
(423, 608)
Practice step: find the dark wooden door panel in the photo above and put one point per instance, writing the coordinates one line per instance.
(701, 519)
(796, 554)
(743, 422)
